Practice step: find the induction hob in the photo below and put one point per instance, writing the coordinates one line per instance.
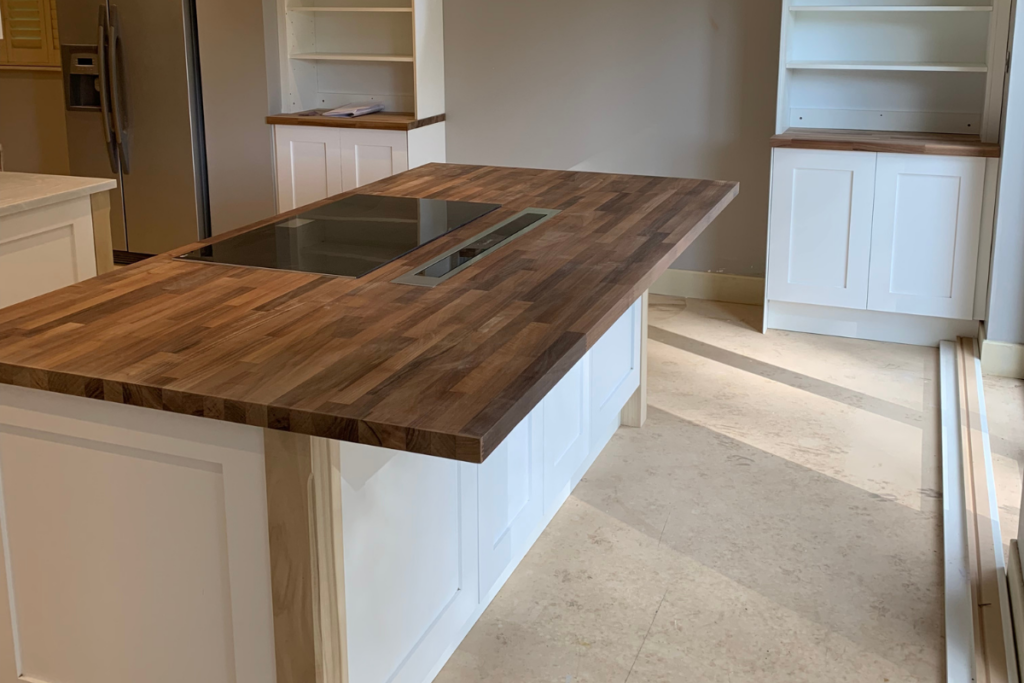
(349, 237)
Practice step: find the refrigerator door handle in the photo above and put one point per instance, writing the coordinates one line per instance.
(101, 51)
(118, 91)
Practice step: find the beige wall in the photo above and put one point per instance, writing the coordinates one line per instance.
(239, 143)
(32, 128)
(662, 87)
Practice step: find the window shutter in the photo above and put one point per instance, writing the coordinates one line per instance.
(30, 36)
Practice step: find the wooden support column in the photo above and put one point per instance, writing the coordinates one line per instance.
(634, 413)
(101, 238)
(306, 564)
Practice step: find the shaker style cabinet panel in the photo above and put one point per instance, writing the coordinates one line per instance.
(316, 162)
(614, 374)
(820, 227)
(511, 488)
(565, 427)
(181, 588)
(924, 249)
(410, 559)
(370, 155)
(308, 165)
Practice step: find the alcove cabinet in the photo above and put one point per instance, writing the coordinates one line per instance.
(884, 165)
(338, 52)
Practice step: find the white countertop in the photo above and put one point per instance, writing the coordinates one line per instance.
(23, 191)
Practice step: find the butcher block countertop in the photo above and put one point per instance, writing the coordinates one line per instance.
(447, 371)
(384, 120)
(946, 144)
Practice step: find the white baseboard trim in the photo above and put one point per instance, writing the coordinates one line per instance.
(900, 328)
(690, 284)
(1002, 359)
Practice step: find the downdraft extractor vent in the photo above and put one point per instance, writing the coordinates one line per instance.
(461, 256)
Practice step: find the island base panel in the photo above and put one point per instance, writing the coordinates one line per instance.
(383, 560)
(134, 542)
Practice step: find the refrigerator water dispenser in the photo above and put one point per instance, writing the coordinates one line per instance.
(81, 77)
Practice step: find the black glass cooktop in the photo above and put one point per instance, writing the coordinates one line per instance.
(349, 237)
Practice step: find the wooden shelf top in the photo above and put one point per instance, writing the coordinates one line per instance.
(350, 57)
(385, 120)
(447, 371)
(951, 67)
(873, 141)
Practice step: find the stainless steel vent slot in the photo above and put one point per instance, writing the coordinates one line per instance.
(461, 256)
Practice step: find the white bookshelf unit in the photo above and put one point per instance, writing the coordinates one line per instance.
(337, 52)
(884, 166)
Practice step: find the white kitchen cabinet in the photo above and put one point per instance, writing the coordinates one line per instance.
(565, 432)
(511, 507)
(614, 375)
(927, 225)
(879, 233)
(315, 162)
(820, 227)
(49, 237)
(308, 165)
(135, 545)
(410, 559)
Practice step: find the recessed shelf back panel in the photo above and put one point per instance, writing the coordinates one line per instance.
(899, 101)
(912, 37)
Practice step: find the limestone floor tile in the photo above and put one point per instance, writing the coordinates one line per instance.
(839, 562)
(1004, 403)
(576, 609)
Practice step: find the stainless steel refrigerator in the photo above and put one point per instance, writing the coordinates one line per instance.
(136, 112)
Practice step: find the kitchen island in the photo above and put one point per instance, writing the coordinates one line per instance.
(404, 445)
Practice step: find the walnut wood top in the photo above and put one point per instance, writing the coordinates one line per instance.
(874, 141)
(384, 120)
(447, 371)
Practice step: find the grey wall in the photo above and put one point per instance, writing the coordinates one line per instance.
(661, 87)
(1006, 299)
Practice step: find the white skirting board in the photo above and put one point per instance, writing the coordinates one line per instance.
(872, 325)
(736, 289)
(1002, 359)
(980, 643)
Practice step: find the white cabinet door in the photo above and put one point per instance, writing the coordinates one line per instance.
(135, 543)
(614, 375)
(924, 253)
(820, 227)
(369, 155)
(308, 165)
(44, 249)
(511, 504)
(565, 429)
(410, 557)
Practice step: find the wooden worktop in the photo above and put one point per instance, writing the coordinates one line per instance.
(945, 144)
(447, 371)
(384, 120)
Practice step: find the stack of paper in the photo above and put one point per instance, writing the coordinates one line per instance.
(352, 110)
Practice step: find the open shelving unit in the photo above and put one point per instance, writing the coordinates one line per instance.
(336, 52)
(909, 66)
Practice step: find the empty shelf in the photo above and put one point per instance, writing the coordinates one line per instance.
(889, 66)
(338, 57)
